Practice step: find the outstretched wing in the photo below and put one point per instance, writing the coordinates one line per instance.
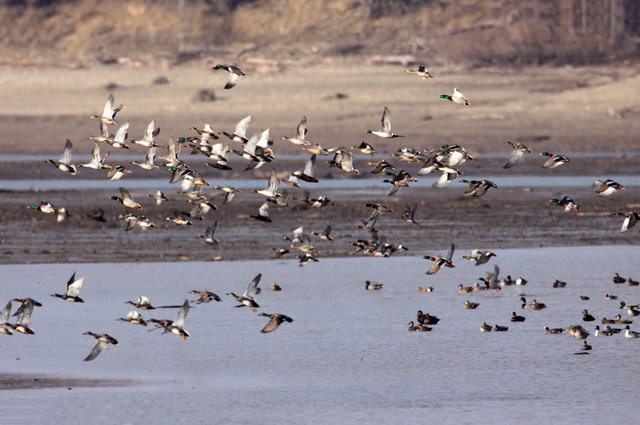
(252, 289)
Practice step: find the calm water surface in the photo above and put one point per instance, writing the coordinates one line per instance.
(347, 358)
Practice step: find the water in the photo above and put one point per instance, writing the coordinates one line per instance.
(347, 357)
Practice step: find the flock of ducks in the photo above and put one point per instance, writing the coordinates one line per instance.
(257, 150)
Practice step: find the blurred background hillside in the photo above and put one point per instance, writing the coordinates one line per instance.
(456, 33)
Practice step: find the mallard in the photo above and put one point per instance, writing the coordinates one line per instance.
(343, 160)
(303, 244)
(317, 149)
(631, 282)
(24, 312)
(439, 261)
(379, 207)
(62, 214)
(584, 298)
(610, 297)
(380, 166)
(448, 174)
(158, 196)
(555, 160)
(73, 290)
(553, 331)
(64, 162)
(534, 305)
(400, 179)
(486, 327)
(270, 191)
(44, 207)
(263, 213)
(620, 321)
(305, 258)
(180, 218)
(275, 287)
(248, 298)
(518, 152)
(477, 188)
(470, 306)
(618, 279)
(240, 133)
(631, 309)
(147, 164)
(150, 133)
(118, 141)
(208, 234)
(134, 318)
(176, 326)
(587, 317)
(385, 132)
(108, 113)
(607, 187)
(567, 203)
(422, 71)
(126, 199)
(301, 132)
(276, 320)
(205, 296)
(480, 257)
(173, 149)
(307, 173)
(372, 286)
(425, 288)
(234, 74)
(586, 346)
(369, 225)
(630, 219)
(559, 284)
(409, 214)
(464, 289)
(102, 341)
(456, 97)
(418, 328)
(516, 318)
(500, 328)
(628, 333)
(426, 319)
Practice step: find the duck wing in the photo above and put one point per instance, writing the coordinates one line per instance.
(252, 288)
(386, 120)
(182, 315)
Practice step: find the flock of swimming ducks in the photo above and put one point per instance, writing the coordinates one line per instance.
(257, 151)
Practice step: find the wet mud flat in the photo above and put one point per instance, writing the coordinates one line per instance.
(509, 217)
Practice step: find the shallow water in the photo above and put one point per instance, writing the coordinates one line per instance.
(347, 357)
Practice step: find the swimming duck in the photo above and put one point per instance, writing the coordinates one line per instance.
(205, 296)
(628, 333)
(426, 319)
(116, 172)
(499, 328)
(64, 162)
(477, 188)
(521, 281)
(425, 288)
(418, 328)
(240, 133)
(234, 74)
(610, 297)
(5, 326)
(620, 321)
(372, 286)
(276, 320)
(580, 333)
(470, 306)
(552, 331)
(73, 290)
(456, 97)
(102, 341)
(630, 219)
(559, 284)
(584, 298)
(567, 203)
(631, 309)
(618, 279)
(248, 298)
(147, 164)
(598, 332)
(343, 160)
(44, 207)
(486, 327)
(555, 160)
(586, 346)
(275, 287)
(24, 312)
(325, 235)
(409, 214)
(97, 162)
(518, 152)
(176, 326)
(587, 317)
(607, 187)
(534, 305)
(439, 261)
(125, 199)
(480, 257)
(108, 113)
(516, 318)
(422, 71)
(134, 318)
(149, 134)
(631, 282)
(385, 132)
(464, 289)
